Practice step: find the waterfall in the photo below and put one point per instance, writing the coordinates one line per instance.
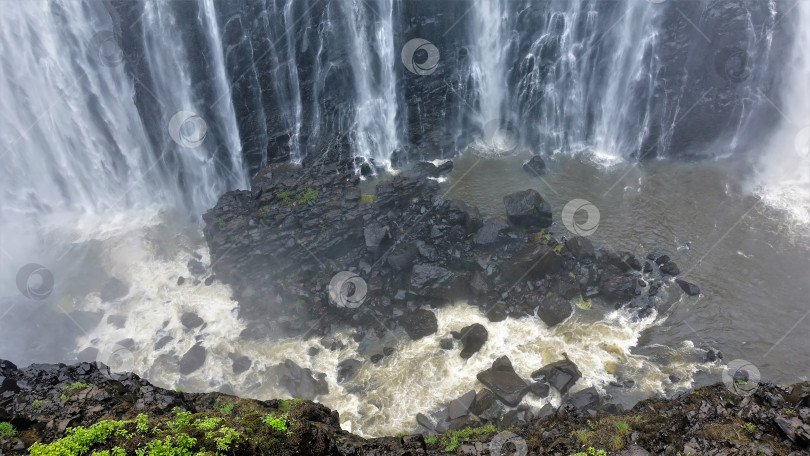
(69, 117)
(489, 36)
(373, 60)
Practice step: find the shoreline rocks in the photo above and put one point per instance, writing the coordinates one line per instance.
(711, 420)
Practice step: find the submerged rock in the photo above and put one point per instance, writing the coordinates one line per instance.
(688, 287)
(192, 360)
(300, 382)
(535, 166)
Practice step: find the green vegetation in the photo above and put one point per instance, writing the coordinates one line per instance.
(608, 432)
(591, 451)
(306, 195)
(7, 430)
(451, 440)
(264, 209)
(227, 409)
(283, 196)
(366, 198)
(285, 406)
(221, 224)
(73, 387)
(180, 434)
(36, 404)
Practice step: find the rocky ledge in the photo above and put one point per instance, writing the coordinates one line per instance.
(83, 409)
(281, 244)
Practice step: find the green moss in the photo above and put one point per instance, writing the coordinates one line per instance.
(366, 198)
(7, 430)
(451, 440)
(227, 409)
(221, 224)
(591, 452)
(68, 390)
(36, 404)
(264, 209)
(283, 196)
(285, 406)
(306, 195)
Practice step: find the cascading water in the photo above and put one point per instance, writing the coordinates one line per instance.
(373, 67)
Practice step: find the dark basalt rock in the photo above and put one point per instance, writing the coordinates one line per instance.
(419, 324)
(534, 263)
(445, 167)
(472, 337)
(617, 285)
(461, 406)
(527, 209)
(552, 309)
(492, 232)
(446, 344)
(191, 320)
(484, 399)
(562, 375)
(580, 247)
(502, 380)
(670, 268)
(688, 287)
(195, 267)
(299, 381)
(375, 234)
(535, 166)
(587, 399)
(192, 360)
(240, 363)
(348, 369)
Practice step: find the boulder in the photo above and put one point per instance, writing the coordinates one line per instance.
(445, 167)
(562, 375)
(617, 285)
(457, 212)
(192, 360)
(300, 382)
(446, 343)
(427, 275)
(492, 231)
(191, 320)
(195, 267)
(587, 399)
(535, 166)
(670, 268)
(461, 406)
(419, 324)
(472, 337)
(533, 263)
(527, 209)
(484, 399)
(504, 383)
(375, 234)
(552, 309)
(348, 369)
(240, 363)
(580, 247)
(688, 287)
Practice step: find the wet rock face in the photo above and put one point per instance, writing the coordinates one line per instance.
(502, 380)
(472, 338)
(419, 324)
(300, 382)
(562, 375)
